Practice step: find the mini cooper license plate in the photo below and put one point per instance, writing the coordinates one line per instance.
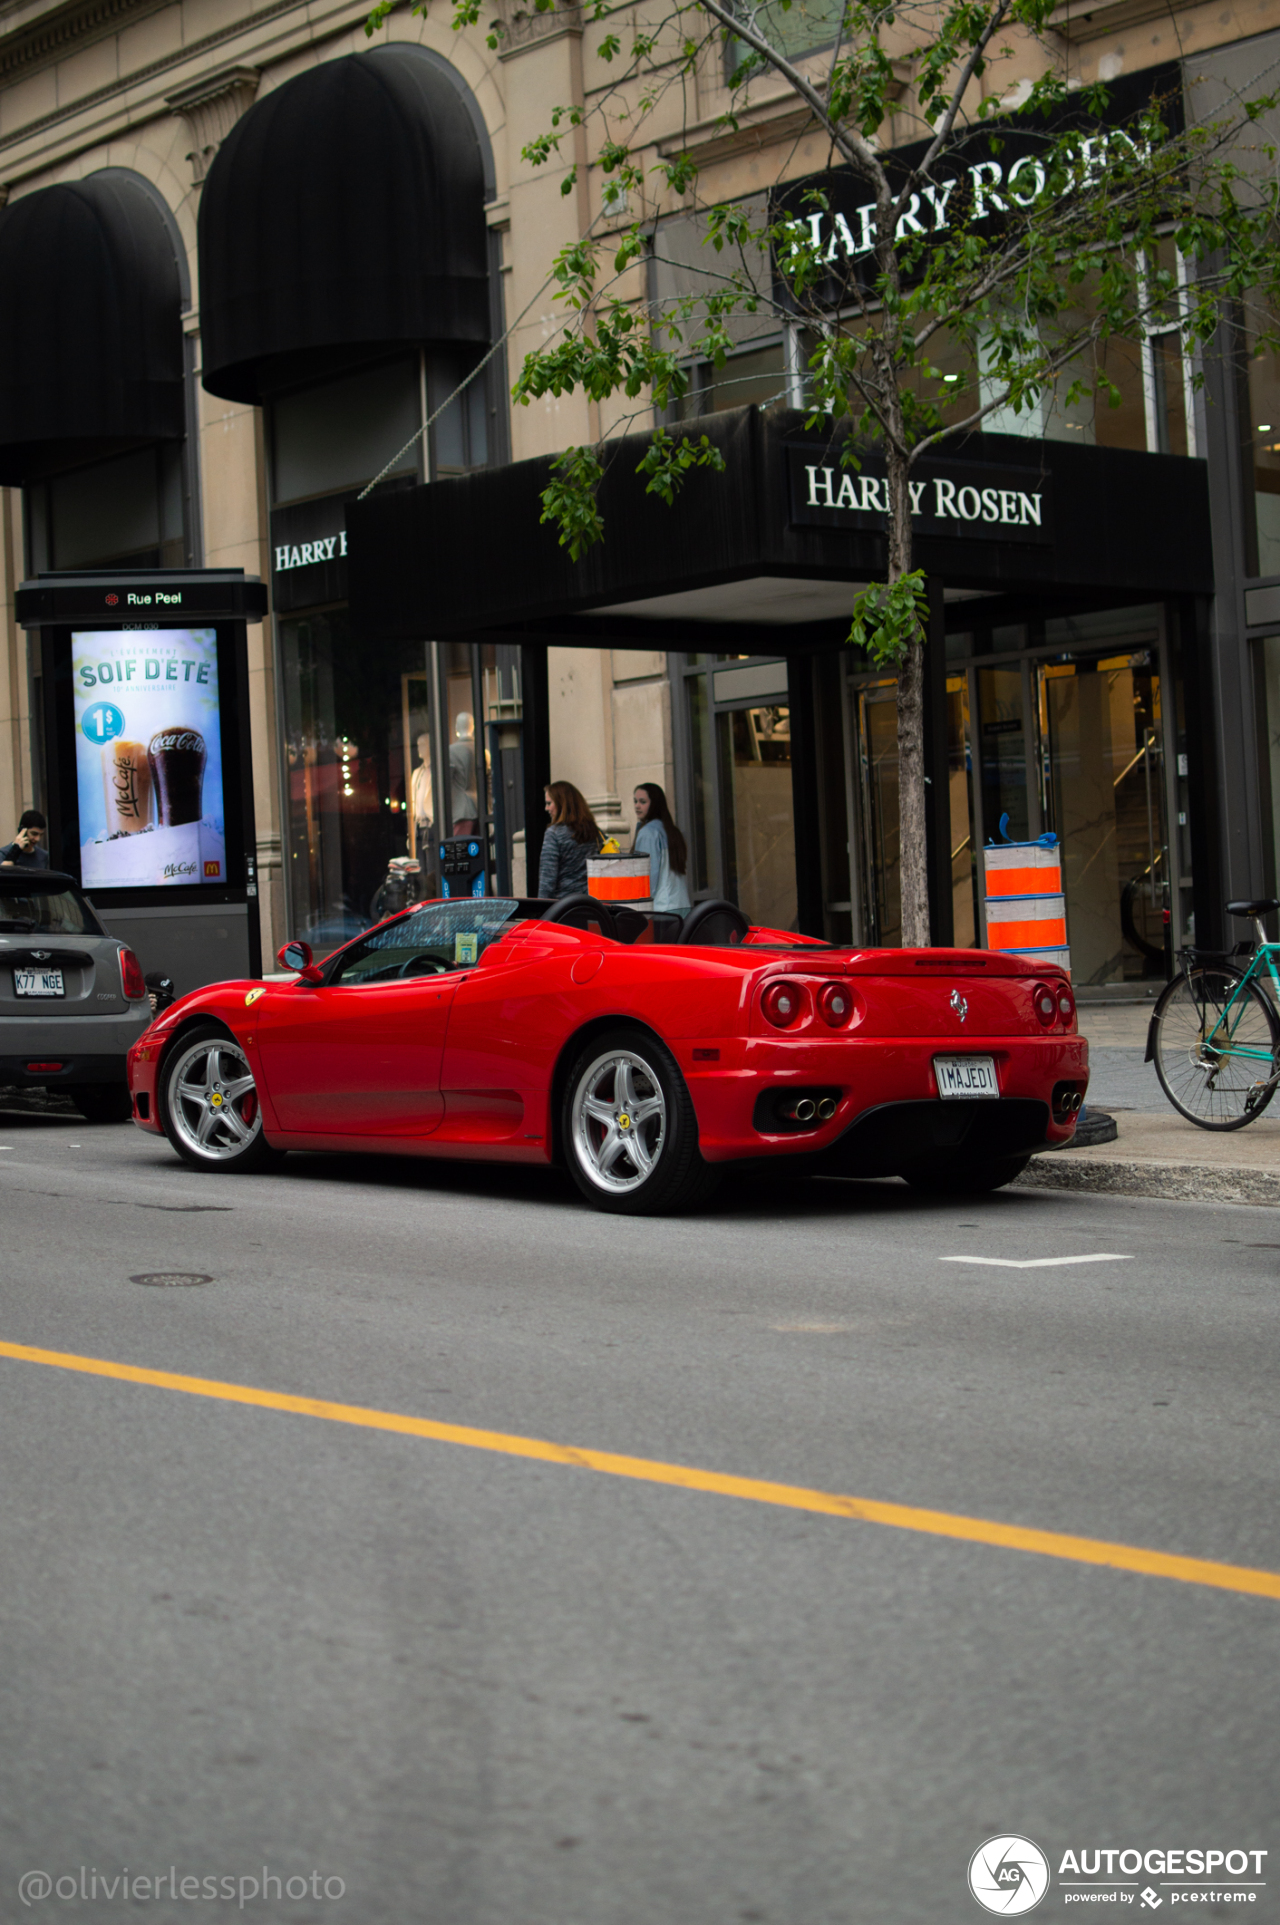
(966, 1075)
(38, 982)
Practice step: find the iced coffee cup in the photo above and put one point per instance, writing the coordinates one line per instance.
(126, 772)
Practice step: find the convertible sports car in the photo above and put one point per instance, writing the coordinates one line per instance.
(535, 1032)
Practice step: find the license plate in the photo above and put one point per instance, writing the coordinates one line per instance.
(966, 1075)
(38, 982)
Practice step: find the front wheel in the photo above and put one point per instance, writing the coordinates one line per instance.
(209, 1105)
(967, 1178)
(629, 1130)
(1214, 1045)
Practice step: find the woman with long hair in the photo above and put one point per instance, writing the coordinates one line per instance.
(572, 837)
(658, 838)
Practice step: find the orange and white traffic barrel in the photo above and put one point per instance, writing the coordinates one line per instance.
(1026, 910)
(619, 879)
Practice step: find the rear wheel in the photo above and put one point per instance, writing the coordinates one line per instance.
(629, 1129)
(103, 1102)
(964, 1178)
(209, 1105)
(1214, 1045)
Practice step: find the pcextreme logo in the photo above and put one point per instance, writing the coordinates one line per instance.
(1008, 1875)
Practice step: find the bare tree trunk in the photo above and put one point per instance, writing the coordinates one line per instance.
(913, 866)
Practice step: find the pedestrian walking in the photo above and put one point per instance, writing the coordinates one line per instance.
(658, 838)
(572, 837)
(25, 851)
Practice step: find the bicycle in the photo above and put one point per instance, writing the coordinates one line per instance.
(1216, 1030)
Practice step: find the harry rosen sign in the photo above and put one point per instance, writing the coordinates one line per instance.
(958, 498)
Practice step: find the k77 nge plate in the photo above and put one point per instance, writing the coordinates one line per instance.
(38, 982)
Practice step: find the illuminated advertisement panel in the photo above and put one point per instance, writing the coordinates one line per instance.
(148, 758)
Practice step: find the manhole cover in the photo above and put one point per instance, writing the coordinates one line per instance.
(172, 1279)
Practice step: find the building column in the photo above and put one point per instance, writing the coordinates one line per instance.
(234, 493)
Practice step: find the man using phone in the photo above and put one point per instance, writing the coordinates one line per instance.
(25, 851)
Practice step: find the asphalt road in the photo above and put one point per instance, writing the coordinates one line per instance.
(470, 1688)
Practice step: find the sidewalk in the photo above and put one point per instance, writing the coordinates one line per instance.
(1157, 1153)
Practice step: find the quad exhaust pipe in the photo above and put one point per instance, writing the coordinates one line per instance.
(826, 1109)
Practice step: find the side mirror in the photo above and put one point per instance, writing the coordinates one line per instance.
(297, 955)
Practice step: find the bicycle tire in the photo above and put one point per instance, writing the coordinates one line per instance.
(1201, 1077)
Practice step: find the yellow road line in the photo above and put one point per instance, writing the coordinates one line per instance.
(647, 1470)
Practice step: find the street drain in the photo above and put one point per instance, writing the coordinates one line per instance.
(172, 1279)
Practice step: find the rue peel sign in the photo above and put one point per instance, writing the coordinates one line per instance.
(961, 500)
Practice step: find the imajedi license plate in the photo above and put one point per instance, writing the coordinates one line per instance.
(966, 1075)
(38, 982)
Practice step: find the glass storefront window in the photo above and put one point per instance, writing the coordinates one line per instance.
(1267, 661)
(1003, 753)
(704, 864)
(1261, 436)
(964, 922)
(752, 379)
(125, 512)
(757, 814)
(358, 775)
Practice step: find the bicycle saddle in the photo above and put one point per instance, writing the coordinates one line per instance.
(1260, 908)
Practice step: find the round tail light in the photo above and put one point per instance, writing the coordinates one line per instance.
(835, 1005)
(782, 1004)
(1066, 1003)
(1045, 1004)
(131, 977)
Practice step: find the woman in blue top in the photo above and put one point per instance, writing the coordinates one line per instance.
(658, 838)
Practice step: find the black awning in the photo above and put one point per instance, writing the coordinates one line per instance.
(345, 211)
(90, 320)
(996, 515)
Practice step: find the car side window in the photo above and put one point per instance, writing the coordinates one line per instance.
(440, 936)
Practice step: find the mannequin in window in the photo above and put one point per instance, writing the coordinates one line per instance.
(462, 776)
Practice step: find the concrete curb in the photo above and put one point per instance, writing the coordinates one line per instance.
(1149, 1176)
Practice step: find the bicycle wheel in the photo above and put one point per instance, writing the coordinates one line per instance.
(1214, 1047)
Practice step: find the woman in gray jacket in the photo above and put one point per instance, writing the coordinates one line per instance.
(572, 837)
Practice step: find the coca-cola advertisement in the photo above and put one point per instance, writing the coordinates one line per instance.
(148, 758)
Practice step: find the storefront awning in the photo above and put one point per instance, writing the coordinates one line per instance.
(344, 212)
(775, 543)
(91, 302)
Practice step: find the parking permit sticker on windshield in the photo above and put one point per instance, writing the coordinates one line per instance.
(466, 947)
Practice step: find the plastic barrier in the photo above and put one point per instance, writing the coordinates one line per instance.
(619, 879)
(1026, 910)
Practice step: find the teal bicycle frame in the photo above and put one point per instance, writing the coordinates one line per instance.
(1263, 971)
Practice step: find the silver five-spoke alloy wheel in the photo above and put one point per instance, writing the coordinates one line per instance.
(619, 1121)
(213, 1100)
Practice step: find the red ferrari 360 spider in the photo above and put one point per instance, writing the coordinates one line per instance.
(538, 1032)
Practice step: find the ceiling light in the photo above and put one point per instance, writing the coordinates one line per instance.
(1264, 427)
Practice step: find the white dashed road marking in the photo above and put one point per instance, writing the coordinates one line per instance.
(1041, 1263)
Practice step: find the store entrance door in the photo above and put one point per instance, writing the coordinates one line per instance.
(875, 727)
(1103, 794)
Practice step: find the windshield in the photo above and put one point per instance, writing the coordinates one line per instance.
(439, 935)
(53, 905)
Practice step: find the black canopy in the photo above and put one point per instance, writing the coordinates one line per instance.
(344, 211)
(91, 302)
